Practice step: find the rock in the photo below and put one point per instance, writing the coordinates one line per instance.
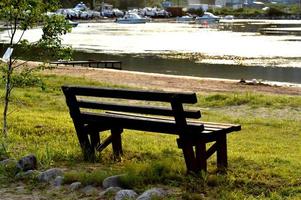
(3, 157)
(125, 194)
(50, 174)
(89, 190)
(109, 191)
(8, 161)
(75, 186)
(27, 163)
(152, 193)
(9, 166)
(20, 190)
(112, 181)
(28, 174)
(58, 181)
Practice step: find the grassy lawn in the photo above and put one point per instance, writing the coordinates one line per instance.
(264, 158)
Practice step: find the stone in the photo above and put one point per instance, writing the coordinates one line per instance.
(152, 193)
(50, 174)
(109, 191)
(58, 181)
(89, 190)
(8, 161)
(112, 181)
(9, 166)
(27, 163)
(125, 194)
(3, 157)
(20, 190)
(28, 174)
(75, 186)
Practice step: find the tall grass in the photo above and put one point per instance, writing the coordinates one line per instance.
(264, 158)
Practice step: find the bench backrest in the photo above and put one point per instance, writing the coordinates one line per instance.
(76, 102)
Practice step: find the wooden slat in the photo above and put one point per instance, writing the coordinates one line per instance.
(130, 94)
(209, 127)
(139, 123)
(195, 114)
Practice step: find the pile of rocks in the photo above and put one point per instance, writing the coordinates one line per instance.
(26, 167)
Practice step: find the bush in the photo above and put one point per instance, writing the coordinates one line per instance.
(198, 12)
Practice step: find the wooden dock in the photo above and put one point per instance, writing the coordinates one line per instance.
(112, 64)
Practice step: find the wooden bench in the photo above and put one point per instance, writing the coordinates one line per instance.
(113, 64)
(92, 113)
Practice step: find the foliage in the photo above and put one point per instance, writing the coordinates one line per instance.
(20, 16)
(198, 12)
(241, 12)
(274, 10)
(55, 26)
(24, 78)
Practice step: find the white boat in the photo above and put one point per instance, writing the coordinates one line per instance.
(131, 18)
(185, 19)
(207, 18)
(72, 23)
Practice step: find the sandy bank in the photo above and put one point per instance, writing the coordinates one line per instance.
(170, 82)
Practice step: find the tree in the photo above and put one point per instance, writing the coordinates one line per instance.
(21, 15)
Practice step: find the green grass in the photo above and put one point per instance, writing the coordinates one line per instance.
(264, 158)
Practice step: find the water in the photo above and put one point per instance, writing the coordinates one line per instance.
(186, 49)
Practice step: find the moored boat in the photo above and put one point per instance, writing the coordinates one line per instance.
(131, 18)
(207, 18)
(185, 19)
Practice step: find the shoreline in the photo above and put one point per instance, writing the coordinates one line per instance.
(155, 81)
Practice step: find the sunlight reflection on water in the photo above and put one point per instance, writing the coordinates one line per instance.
(173, 37)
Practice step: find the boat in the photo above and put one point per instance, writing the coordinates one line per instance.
(185, 19)
(207, 18)
(131, 18)
(72, 23)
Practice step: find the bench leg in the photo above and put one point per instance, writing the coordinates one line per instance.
(189, 155)
(116, 142)
(200, 155)
(189, 158)
(86, 146)
(221, 152)
(95, 139)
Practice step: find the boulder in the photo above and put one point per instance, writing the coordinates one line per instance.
(9, 166)
(8, 161)
(75, 186)
(58, 181)
(28, 162)
(28, 174)
(109, 191)
(89, 190)
(152, 193)
(50, 175)
(125, 194)
(112, 181)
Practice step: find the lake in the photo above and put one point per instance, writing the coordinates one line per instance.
(185, 49)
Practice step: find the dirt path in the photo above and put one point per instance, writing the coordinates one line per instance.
(170, 82)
